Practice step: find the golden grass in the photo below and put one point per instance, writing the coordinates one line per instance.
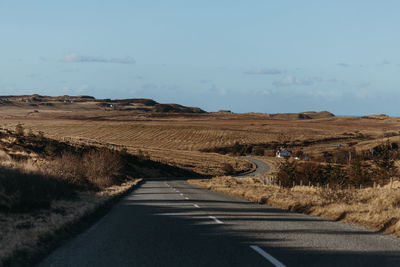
(23, 233)
(178, 139)
(377, 209)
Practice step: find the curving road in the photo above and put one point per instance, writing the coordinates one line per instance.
(171, 223)
(261, 167)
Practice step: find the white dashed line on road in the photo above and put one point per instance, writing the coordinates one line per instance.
(215, 219)
(186, 198)
(271, 259)
(197, 206)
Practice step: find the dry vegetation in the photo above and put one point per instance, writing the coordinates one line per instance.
(377, 209)
(46, 186)
(23, 235)
(77, 142)
(38, 202)
(179, 139)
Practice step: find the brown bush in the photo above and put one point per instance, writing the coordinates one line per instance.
(95, 169)
(103, 167)
(22, 191)
(227, 168)
(69, 167)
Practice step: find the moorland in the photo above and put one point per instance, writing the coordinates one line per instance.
(61, 145)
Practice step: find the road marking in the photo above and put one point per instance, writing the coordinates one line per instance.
(215, 219)
(186, 198)
(181, 194)
(197, 206)
(271, 259)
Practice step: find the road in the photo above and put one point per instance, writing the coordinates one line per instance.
(261, 167)
(171, 223)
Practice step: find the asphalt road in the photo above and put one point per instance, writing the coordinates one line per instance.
(171, 223)
(261, 167)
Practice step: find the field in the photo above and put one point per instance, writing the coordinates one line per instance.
(36, 142)
(179, 139)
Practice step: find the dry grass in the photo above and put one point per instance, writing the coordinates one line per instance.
(22, 234)
(377, 209)
(178, 139)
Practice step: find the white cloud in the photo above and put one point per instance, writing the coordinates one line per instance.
(79, 58)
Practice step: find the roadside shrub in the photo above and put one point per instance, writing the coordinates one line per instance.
(258, 150)
(70, 168)
(287, 172)
(94, 169)
(103, 167)
(142, 155)
(19, 129)
(50, 148)
(23, 191)
(227, 168)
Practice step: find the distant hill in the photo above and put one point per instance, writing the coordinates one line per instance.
(303, 115)
(376, 117)
(91, 103)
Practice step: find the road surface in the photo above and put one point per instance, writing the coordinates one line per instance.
(171, 223)
(261, 167)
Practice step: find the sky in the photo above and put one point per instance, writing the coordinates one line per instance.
(245, 56)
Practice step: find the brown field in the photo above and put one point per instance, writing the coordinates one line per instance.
(175, 144)
(178, 139)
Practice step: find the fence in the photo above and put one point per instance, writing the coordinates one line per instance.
(392, 183)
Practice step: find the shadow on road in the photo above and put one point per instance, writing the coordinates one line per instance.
(163, 229)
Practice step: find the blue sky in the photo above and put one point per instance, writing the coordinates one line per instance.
(247, 56)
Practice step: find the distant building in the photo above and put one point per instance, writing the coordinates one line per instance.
(283, 153)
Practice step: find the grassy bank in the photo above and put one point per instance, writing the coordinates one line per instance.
(23, 236)
(377, 209)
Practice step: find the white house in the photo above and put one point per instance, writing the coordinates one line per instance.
(283, 153)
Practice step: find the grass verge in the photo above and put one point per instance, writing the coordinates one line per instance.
(26, 237)
(376, 209)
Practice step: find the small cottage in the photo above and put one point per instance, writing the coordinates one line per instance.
(283, 153)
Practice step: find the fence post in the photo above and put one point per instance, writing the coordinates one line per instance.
(301, 182)
(391, 182)
(374, 184)
(309, 183)
(294, 183)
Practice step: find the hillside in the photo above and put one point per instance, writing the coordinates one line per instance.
(90, 103)
(303, 115)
